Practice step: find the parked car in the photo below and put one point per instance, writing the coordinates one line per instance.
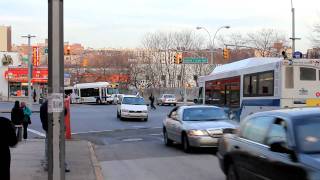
(278, 145)
(169, 99)
(132, 107)
(196, 126)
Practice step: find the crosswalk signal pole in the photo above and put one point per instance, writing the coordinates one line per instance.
(56, 141)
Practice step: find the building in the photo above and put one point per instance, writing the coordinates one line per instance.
(5, 38)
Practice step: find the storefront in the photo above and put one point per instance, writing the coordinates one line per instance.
(18, 81)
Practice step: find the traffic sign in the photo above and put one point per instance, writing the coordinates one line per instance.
(194, 60)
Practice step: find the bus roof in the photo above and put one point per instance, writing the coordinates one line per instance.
(236, 68)
(92, 85)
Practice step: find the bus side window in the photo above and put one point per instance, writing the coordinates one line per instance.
(289, 80)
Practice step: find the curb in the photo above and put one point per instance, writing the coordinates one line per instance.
(95, 162)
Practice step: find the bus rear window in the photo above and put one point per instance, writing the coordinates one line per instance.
(308, 74)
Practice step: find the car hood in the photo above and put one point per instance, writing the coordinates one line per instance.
(311, 160)
(203, 125)
(134, 107)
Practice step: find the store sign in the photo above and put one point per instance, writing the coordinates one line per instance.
(39, 75)
(6, 60)
(35, 56)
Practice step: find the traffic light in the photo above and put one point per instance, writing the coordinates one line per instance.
(178, 58)
(68, 50)
(226, 54)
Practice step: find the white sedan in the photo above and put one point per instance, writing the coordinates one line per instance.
(132, 107)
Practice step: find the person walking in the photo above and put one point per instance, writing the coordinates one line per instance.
(26, 119)
(34, 95)
(151, 98)
(8, 139)
(17, 118)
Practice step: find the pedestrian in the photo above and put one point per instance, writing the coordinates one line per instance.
(8, 139)
(17, 118)
(26, 119)
(34, 95)
(44, 122)
(151, 98)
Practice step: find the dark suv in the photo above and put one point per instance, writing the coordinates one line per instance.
(275, 145)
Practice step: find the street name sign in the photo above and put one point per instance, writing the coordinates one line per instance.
(194, 60)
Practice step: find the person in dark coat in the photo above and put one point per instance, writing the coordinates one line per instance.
(8, 139)
(17, 116)
(151, 98)
(26, 119)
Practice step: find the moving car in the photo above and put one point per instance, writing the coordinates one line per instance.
(169, 99)
(114, 98)
(196, 126)
(278, 145)
(132, 107)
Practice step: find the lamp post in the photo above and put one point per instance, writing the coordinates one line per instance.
(212, 39)
(29, 69)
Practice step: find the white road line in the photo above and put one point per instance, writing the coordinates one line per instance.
(37, 132)
(132, 139)
(155, 134)
(91, 132)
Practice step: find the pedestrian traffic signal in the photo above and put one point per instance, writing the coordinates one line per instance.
(178, 58)
(68, 50)
(226, 54)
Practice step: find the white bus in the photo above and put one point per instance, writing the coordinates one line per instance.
(260, 84)
(96, 92)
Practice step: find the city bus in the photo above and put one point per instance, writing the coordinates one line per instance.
(96, 92)
(260, 84)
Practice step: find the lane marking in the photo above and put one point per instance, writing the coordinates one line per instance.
(155, 134)
(111, 130)
(132, 139)
(37, 132)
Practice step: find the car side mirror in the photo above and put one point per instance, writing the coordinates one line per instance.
(281, 148)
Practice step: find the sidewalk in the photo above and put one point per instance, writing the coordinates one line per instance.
(27, 158)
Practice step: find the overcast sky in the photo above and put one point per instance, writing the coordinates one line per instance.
(122, 23)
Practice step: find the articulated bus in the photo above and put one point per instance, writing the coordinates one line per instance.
(260, 84)
(96, 92)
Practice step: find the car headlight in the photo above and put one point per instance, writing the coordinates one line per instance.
(195, 132)
(125, 110)
(215, 131)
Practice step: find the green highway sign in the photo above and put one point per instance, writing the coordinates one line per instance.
(194, 60)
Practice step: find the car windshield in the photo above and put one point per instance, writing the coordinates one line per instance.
(204, 114)
(133, 101)
(168, 96)
(308, 134)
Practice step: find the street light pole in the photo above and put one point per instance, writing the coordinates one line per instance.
(212, 39)
(29, 69)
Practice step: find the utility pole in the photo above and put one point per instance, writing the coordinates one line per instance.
(56, 138)
(293, 38)
(29, 69)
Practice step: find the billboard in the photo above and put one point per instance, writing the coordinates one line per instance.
(35, 56)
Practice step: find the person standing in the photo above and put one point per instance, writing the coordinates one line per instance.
(8, 139)
(26, 119)
(17, 118)
(34, 95)
(151, 98)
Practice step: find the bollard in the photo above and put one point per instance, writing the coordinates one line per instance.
(67, 118)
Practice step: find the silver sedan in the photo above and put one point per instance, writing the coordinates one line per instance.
(196, 126)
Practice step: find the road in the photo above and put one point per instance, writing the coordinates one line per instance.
(133, 149)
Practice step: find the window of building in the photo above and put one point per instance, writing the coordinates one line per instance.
(308, 74)
(259, 84)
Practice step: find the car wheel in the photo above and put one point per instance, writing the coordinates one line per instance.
(167, 141)
(185, 144)
(232, 174)
(175, 104)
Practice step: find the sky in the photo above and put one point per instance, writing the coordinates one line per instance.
(123, 23)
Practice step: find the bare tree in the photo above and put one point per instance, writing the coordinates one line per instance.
(315, 37)
(263, 40)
